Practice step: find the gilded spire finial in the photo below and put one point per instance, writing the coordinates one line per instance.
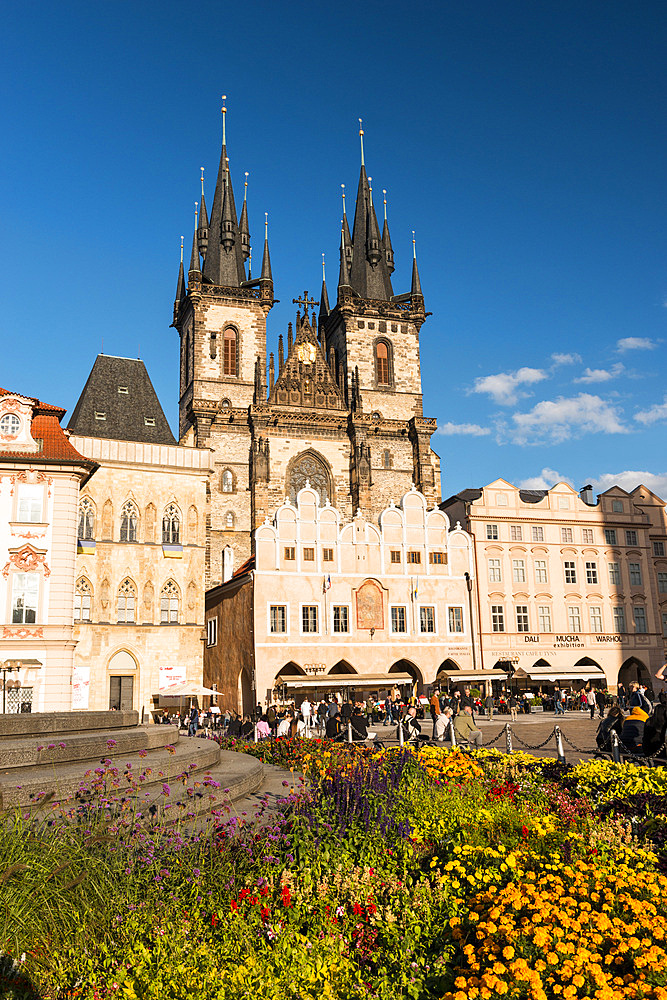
(323, 274)
(181, 249)
(370, 190)
(343, 191)
(384, 195)
(202, 181)
(245, 190)
(196, 214)
(361, 138)
(224, 116)
(414, 246)
(266, 225)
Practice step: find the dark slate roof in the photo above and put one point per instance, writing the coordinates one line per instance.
(532, 496)
(467, 495)
(125, 413)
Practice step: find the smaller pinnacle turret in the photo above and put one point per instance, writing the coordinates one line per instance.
(180, 286)
(194, 256)
(416, 289)
(386, 239)
(202, 232)
(324, 297)
(344, 274)
(244, 232)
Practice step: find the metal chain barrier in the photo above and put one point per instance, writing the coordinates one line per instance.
(496, 739)
(575, 747)
(538, 746)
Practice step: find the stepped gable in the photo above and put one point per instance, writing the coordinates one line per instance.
(306, 378)
(118, 401)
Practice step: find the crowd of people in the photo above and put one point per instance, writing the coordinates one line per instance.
(640, 725)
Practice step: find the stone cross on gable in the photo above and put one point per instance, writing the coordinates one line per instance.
(305, 302)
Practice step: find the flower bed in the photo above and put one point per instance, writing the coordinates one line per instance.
(437, 874)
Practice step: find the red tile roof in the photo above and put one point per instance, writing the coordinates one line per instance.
(244, 567)
(46, 427)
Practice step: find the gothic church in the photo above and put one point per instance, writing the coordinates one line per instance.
(340, 407)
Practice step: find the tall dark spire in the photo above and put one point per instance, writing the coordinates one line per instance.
(224, 255)
(202, 232)
(369, 275)
(266, 278)
(243, 224)
(194, 256)
(386, 238)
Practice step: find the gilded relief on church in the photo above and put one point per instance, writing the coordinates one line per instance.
(370, 609)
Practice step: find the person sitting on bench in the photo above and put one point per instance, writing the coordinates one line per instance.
(465, 729)
(412, 731)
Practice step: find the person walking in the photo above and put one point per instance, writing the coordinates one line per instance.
(488, 705)
(435, 711)
(591, 701)
(514, 707)
(306, 709)
(193, 721)
(600, 701)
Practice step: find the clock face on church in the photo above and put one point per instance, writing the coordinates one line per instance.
(306, 353)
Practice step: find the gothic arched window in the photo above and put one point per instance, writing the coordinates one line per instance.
(169, 603)
(129, 520)
(309, 468)
(227, 481)
(171, 525)
(86, 518)
(230, 356)
(126, 602)
(382, 363)
(229, 519)
(83, 601)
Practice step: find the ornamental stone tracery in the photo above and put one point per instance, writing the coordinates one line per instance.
(309, 470)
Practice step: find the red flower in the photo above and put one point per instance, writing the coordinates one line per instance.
(214, 920)
(265, 913)
(357, 910)
(253, 900)
(371, 909)
(243, 893)
(524, 832)
(234, 905)
(287, 896)
(264, 891)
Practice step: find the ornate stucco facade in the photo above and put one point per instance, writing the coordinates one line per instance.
(565, 583)
(40, 475)
(330, 603)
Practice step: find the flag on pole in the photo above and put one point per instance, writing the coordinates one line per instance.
(327, 583)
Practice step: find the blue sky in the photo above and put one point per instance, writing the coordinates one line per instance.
(524, 142)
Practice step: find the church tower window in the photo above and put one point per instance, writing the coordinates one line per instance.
(382, 362)
(169, 603)
(230, 352)
(127, 602)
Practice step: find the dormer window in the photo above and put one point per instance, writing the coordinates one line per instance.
(99, 415)
(149, 421)
(123, 390)
(9, 425)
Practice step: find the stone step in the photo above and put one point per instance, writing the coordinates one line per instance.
(51, 724)
(83, 746)
(26, 787)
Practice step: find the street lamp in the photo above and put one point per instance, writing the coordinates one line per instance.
(8, 667)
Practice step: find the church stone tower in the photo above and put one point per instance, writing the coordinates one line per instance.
(221, 320)
(341, 408)
(371, 338)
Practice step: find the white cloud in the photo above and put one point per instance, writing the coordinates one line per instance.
(474, 430)
(566, 359)
(555, 420)
(654, 413)
(600, 374)
(504, 388)
(635, 344)
(546, 479)
(656, 481)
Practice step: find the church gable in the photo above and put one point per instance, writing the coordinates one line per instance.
(305, 378)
